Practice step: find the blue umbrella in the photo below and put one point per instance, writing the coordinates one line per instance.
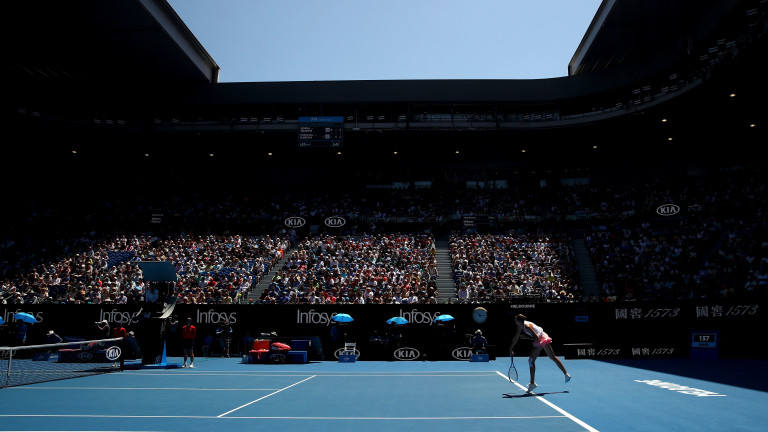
(443, 317)
(397, 320)
(23, 316)
(342, 317)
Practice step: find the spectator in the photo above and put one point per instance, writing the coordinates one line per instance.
(152, 295)
(118, 331)
(103, 331)
(224, 336)
(479, 343)
(207, 341)
(21, 332)
(52, 338)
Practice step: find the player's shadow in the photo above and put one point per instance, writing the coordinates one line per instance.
(524, 395)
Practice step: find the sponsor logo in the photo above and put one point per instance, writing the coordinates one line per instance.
(113, 353)
(312, 316)
(417, 317)
(84, 356)
(582, 318)
(119, 316)
(335, 222)
(462, 353)
(8, 315)
(668, 209)
(680, 388)
(341, 351)
(523, 306)
(213, 317)
(295, 222)
(406, 354)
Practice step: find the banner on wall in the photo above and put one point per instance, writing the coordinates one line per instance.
(654, 329)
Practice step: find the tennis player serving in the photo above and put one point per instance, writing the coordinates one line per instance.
(541, 341)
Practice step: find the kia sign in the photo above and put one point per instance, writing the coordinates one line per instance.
(335, 222)
(462, 353)
(341, 351)
(407, 354)
(294, 222)
(113, 353)
(668, 209)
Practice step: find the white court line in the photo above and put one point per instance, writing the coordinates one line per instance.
(291, 371)
(138, 388)
(553, 406)
(346, 374)
(264, 397)
(275, 417)
(197, 371)
(402, 418)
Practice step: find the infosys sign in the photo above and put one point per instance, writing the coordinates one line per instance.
(312, 316)
(7, 315)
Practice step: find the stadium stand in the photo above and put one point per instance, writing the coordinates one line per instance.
(584, 170)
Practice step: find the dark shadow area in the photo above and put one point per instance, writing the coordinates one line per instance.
(745, 373)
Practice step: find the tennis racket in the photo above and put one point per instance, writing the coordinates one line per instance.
(512, 372)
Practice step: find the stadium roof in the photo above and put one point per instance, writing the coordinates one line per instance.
(132, 65)
(102, 41)
(102, 47)
(650, 35)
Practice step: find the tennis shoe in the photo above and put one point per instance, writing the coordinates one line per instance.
(567, 377)
(184, 365)
(531, 386)
(191, 365)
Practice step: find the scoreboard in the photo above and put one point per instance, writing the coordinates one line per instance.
(704, 340)
(705, 344)
(474, 221)
(321, 131)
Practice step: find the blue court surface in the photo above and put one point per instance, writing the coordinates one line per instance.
(225, 394)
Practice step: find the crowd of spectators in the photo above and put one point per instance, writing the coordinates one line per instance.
(715, 248)
(651, 260)
(209, 269)
(504, 267)
(52, 252)
(363, 269)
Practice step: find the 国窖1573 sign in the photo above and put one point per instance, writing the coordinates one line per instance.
(668, 209)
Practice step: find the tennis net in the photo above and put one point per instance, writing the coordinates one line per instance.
(22, 365)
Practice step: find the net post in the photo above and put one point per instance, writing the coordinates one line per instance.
(8, 369)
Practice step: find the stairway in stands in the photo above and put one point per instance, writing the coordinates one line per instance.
(446, 287)
(258, 289)
(587, 273)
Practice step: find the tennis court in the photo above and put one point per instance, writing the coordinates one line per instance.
(219, 393)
